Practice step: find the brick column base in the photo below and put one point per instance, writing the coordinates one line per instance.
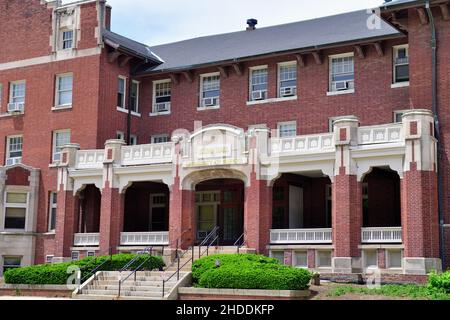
(111, 219)
(66, 224)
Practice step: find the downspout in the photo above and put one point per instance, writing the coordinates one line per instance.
(437, 130)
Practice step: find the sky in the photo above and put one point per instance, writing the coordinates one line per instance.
(156, 22)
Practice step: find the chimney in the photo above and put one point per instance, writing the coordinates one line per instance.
(252, 24)
(108, 9)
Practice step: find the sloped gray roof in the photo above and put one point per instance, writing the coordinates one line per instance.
(303, 35)
(133, 47)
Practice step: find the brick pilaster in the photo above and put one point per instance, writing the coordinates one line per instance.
(66, 222)
(111, 219)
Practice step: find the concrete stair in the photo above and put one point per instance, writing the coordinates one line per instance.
(148, 286)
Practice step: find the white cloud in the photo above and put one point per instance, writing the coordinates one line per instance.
(156, 22)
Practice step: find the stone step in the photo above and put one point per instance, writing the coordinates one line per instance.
(125, 273)
(158, 283)
(153, 278)
(124, 293)
(115, 288)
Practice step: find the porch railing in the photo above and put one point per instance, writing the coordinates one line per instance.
(301, 236)
(86, 239)
(90, 159)
(389, 133)
(144, 238)
(382, 235)
(147, 154)
(303, 144)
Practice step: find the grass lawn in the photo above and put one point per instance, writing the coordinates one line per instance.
(408, 292)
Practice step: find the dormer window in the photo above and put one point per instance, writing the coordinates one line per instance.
(67, 39)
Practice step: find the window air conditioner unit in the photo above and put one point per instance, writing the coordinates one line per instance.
(16, 107)
(209, 102)
(288, 91)
(162, 107)
(13, 161)
(341, 85)
(258, 95)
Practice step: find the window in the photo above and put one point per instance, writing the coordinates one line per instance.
(394, 259)
(52, 206)
(323, 259)
(91, 253)
(64, 87)
(49, 259)
(133, 140)
(14, 150)
(287, 79)
(287, 129)
(134, 95)
(67, 39)
(17, 93)
(365, 203)
(161, 138)
(279, 255)
(121, 92)
(398, 116)
(162, 96)
(11, 263)
(120, 135)
(401, 64)
(210, 91)
(342, 73)
(258, 83)
(301, 259)
(60, 138)
(16, 210)
(370, 258)
(75, 255)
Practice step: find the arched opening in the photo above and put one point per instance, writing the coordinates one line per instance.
(146, 208)
(302, 201)
(381, 199)
(219, 203)
(89, 214)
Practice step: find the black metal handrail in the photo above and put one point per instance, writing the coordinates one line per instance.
(134, 272)
(177, 272)
(238, 244)
(94, 271)
(209, 245)
(132, 261)
(203, 243)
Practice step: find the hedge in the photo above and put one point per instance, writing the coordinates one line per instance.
(440, 281)
(248, 272)
(57, 273)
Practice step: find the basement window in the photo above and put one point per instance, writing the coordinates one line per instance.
(394, 259)
(11, 263)
(300, 259)
(323, 259)
(16, 210)
(279, 255)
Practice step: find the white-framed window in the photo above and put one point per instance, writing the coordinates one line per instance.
(160, 138)
(287, 129)
(401, 64)
(60, 138)
(279, 255)
(342, 72)
(121, 92)
(162, 96)
(394, 259)
(64, 89)
(134, 95)
(133, 140)
(120, 135)
(11, 262)
(52, 207)
(210, 90)
(370, 258)
(91, 254)
(75, 255)
(66, 39)
(17, 92)
(49, 258)
(398, 116)
(14, 146)
(300, 259)
(258, 83)
(287, 79)
(323, 258)
(16, 204)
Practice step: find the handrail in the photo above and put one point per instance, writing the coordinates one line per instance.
(177, 272)
(94, 272)
(240, 245)
(209, 245)
(134, 272)
(130, 263)
(212, 233)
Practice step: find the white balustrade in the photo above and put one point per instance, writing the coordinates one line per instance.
(86, 239)
(303, 144)
(144, 238)
(147, 154)
(382, 235)
(90, 159)
(390, 133)
(301, 236)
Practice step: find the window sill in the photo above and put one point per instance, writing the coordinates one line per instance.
(400, 85)
(337, 93)
(272, 100)
(53, 165)
(62, 107)
(7, 115)
(126, 111)
(156, 114)
(208, 108)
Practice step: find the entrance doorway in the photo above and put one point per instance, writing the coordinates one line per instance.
(220, 203)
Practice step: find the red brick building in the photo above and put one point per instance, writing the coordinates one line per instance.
(321, 142)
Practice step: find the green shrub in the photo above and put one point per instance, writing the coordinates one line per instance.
(440, 281)
(57, 273)
(248, 272)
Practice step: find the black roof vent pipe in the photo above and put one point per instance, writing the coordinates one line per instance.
(252, 24)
